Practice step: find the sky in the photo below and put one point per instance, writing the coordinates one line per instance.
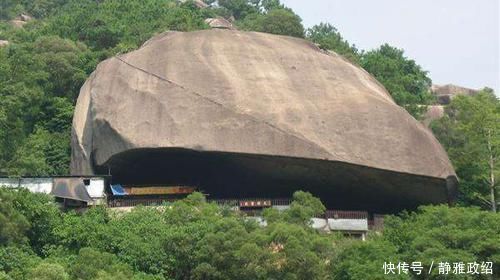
(457, 41)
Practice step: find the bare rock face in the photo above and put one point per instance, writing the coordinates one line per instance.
(25, 17)
(252, 114)
(434, 112)
(446, 93)
(16, 23)
(20, 20)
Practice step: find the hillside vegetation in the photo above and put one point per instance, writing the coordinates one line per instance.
(47, 60)
(193, 239)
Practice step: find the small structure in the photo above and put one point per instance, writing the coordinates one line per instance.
(355, 224)
(350, 223)
(219, 22)
(73, 191)
(3, 43)
(34, 185)
(320, 224)
(84, 191)
(79, 191)
(155, 195)
(350, 227)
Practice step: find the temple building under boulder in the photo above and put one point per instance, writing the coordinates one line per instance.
(249, 118)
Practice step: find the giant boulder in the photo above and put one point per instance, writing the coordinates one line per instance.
(245, 114)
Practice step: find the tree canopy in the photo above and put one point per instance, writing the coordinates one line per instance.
(405, 80)
(470, 131)
(193, 239)
(278, 21)
(329, 38)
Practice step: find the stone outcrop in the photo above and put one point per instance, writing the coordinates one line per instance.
(20, 20)
(434, 112)
(253, 114)
(446, 93)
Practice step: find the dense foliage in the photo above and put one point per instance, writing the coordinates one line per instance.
(279, 21)
(329, 38)
(408, 84)
(9, 9)
(470, 131)
(193, 239)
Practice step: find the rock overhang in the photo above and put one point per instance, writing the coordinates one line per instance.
(239, 95)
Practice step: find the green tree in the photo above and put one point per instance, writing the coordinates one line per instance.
(41, 81)
(405, 80)
(16, 261)
(14, 224)
(77, 231)
(241, 249)
(328, 37)
(281, 21)
(7, 9)
(65, 62)
(139, 238)
(42, 154)
(48, 271)
(470, 132)
(193, 239)
(238, 8)
(268, 5)
(104, 25)
(91, 264)
(42, 214)
(441, 233)
(364, 260)
(26, 216)
(36, 8)
(4, 276)
(304, 207)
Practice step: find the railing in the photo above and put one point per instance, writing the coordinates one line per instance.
(329, 214)
(118, 202)
(236, 202)
(337, 214)
(225, 202)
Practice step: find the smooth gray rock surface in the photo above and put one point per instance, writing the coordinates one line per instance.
(255, 94)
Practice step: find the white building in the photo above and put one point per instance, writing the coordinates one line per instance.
(71, 191)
